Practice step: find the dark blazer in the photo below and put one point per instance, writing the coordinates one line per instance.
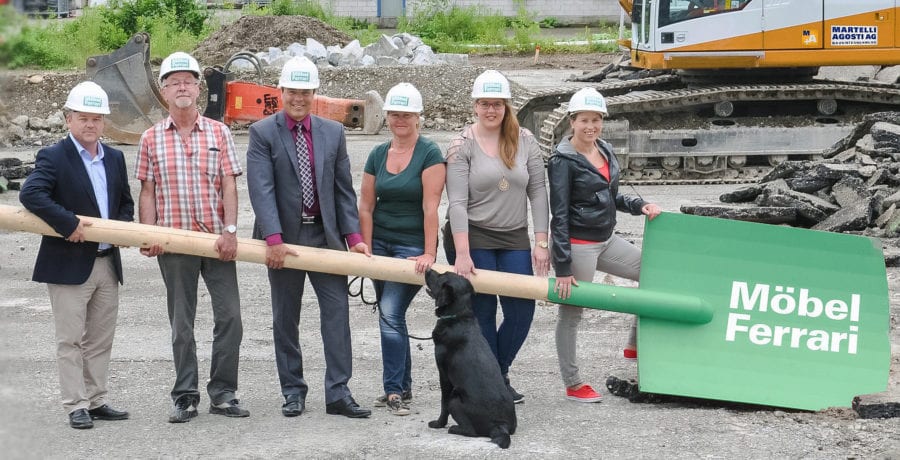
(57, 190)
(273, 179)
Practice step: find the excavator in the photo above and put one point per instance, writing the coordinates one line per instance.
(136, 103)
(718, 72)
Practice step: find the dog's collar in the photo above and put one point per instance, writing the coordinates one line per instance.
(446, 317)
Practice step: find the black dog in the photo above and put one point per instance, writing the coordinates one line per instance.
(472, 388)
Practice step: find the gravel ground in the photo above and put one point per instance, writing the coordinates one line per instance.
(32, 424)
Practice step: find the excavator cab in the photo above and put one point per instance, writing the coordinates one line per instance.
(751, 34)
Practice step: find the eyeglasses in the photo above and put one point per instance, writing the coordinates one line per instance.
(187, 83)
(498, 106)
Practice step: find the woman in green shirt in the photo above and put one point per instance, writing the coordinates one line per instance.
(401, 191)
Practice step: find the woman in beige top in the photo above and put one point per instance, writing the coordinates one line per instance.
(494, 170)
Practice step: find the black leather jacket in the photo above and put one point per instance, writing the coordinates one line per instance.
(582, 201)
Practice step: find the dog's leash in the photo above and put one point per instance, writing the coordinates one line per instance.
(376, 307)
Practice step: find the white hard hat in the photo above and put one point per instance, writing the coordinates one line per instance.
(491, 85)
(299, 73)
(178, 61)
(403, 97)
(588, 100)
(89, 97)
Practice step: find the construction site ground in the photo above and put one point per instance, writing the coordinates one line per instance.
(33, 425)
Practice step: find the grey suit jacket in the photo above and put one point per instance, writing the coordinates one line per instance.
(273, 179)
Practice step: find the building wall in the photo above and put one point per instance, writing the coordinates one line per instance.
(363, 9)
(564, 11)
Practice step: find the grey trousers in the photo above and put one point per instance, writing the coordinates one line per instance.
(181, 275)
(614, 256)
(85, 319)
(334, 323)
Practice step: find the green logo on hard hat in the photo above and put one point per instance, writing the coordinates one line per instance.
(492, 87)
(593, 101)
(92, 101)
(180, 63)
(300, 76)
(400, 100)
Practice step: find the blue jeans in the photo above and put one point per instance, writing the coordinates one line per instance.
(506, 341)
(393, 301)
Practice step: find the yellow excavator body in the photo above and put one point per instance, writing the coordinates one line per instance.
(714, 34)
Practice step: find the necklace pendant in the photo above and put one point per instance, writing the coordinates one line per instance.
(503, 185)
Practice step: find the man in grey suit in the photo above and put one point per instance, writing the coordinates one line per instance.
(298, 175)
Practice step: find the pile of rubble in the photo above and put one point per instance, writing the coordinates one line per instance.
(399, 49)
(33, 114)
(855, 188)
(258, 33)
(12, 169)
(275, 39)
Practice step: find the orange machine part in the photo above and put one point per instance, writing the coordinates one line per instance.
(248, 102)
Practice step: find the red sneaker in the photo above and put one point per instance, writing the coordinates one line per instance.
(584, 394)
(630, 353)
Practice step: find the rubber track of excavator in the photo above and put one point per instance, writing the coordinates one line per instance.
(652, 100)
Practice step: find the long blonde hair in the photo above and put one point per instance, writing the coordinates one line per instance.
(509, 136)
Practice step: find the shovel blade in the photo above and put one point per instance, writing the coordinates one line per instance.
(800, 318)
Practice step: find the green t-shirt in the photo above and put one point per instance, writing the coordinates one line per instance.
(398, 217)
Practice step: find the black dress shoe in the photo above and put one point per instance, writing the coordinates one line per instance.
(293, 406)
(347, 407)
(80, 419)
(105, 412)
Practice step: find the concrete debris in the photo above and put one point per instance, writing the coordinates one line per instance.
(856, 188)
(12, 168)
(741, 195)
(889, 74)
(761, 214)
(398, 49)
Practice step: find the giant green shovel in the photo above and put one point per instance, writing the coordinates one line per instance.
(800, 317)
(683, 303)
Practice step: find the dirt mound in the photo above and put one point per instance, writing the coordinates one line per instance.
(258, 33)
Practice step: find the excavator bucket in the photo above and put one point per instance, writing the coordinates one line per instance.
(134, 100)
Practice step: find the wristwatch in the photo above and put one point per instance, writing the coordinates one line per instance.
(231, 229)
(543, 244)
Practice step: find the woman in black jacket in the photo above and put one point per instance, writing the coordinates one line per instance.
(584, 198)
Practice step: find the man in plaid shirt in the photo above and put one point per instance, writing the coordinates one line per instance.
(187, 166)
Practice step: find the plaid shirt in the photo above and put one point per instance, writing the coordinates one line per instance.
(188, 177)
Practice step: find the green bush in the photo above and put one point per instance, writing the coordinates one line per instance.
(548, 23)
(132, 16)
(37, 47)
(439, 25)
(311, 8)
(175, 39)
(172, 24)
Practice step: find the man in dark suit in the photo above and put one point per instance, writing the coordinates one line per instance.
(298, 175)
(79, 175)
